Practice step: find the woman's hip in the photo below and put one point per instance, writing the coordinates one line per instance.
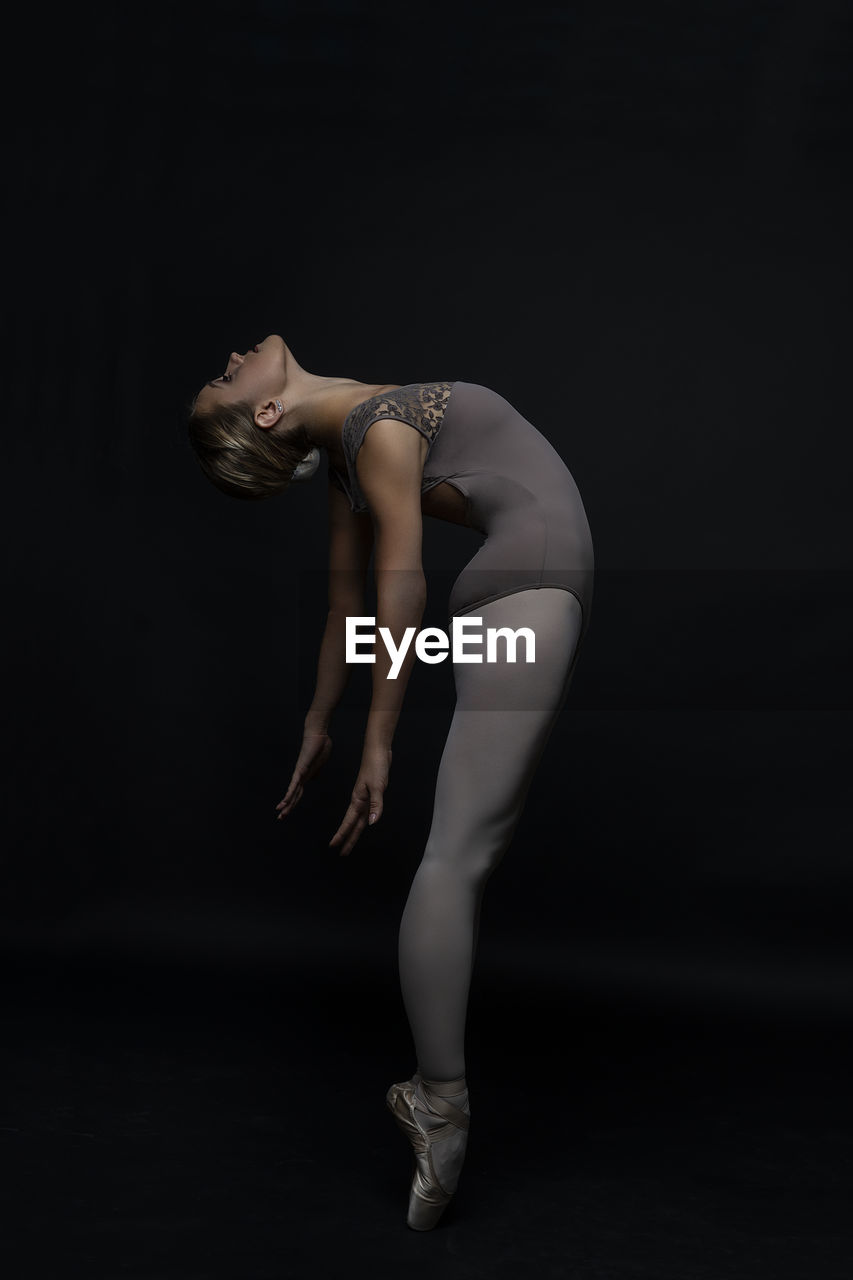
(516, 651)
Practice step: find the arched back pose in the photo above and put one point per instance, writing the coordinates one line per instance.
(460, 452)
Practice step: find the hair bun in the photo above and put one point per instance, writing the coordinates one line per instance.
(308, 465)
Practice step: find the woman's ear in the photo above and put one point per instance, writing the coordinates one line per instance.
(269, 414)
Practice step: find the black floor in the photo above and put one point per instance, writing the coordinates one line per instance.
(165, 1121)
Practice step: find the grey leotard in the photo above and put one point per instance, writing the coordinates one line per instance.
(519, 492)
(535, 568)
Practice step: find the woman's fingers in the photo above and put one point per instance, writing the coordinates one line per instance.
(315, 752)
(358, 816)
(295, 785)
(293, 794)
(348, 832)
(287, 805)
(355, 820)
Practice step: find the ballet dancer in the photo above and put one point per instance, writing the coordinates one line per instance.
(470, 459)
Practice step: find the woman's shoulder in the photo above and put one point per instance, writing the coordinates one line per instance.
(419, 403)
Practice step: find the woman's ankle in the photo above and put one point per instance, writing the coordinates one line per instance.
(445, 1088)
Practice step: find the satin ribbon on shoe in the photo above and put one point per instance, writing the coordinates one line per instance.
(428, 1198)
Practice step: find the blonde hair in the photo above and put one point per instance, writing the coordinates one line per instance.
(241, 458)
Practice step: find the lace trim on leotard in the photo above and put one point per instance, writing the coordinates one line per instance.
(420, 404)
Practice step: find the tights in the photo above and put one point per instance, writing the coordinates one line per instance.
(502, 720)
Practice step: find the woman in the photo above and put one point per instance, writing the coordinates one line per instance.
(471, 459)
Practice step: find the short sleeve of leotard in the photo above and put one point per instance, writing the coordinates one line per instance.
(419, 404)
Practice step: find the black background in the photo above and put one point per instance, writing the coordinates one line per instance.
(630, 220)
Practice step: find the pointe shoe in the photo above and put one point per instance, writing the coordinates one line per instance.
(428, 1196)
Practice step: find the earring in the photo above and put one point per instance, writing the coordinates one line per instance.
(278, 402)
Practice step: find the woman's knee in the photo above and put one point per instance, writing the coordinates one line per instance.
(468, 856)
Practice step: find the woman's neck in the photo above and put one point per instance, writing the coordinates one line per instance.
(327, 406)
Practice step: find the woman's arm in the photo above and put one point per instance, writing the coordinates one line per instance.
(350, 546)
(390, 472)
(401, 599)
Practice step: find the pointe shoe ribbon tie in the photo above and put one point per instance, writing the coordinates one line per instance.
(428, 1198)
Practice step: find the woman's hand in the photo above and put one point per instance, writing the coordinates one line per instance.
(315, 751)
(367, 797)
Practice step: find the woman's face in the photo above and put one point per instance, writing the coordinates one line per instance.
(258, 376)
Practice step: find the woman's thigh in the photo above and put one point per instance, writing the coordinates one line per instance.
(502, 720)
